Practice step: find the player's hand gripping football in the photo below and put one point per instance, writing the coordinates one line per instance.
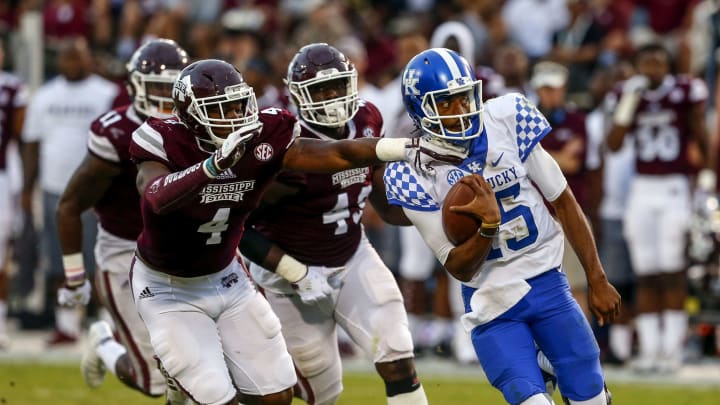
(72, 296)
(314, 287)
(234, 147)
(424, 154)
(484, 206)
(604, 301)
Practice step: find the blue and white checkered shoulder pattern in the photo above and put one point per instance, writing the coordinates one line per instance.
(402, 188)
(530, 126)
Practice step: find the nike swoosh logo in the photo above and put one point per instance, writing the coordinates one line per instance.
(495, 163)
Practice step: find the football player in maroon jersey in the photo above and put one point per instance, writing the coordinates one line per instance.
(200, 174)
(105, 181)
(347, 284)
(13, 100)
(665, 114)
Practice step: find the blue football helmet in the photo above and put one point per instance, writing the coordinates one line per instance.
(432, 77)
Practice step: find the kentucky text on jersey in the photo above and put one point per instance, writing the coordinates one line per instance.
(503, 178)
(226, 192)
(350, 177)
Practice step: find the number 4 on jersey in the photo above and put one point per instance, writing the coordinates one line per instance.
(215, 227)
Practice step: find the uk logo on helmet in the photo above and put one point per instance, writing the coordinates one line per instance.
(410, 82)
(263, 152)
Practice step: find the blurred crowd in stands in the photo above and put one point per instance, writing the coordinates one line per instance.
(584, 47)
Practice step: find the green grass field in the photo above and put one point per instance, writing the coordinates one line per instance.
(26, 384)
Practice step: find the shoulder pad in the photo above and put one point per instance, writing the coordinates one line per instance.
(402, 188)
(523, 119)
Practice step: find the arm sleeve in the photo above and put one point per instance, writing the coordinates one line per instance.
(427, 224)
(545, 173)
(169, 192)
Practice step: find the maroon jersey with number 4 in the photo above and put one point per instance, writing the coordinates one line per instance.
(119, 208)
(661, 125)
(320, 225)
(201, 236)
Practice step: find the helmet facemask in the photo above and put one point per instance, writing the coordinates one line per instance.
(466, 124)
(234, 111)
(152, 92)
(335, 112)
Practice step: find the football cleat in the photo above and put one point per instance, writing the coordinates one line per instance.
(91, 365)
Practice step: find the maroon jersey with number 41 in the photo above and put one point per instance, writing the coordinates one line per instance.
(118, 209)
(320, 225)
(201, 236)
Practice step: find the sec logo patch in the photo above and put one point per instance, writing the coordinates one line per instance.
(263, 152)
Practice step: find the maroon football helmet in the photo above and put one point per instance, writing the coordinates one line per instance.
(212, 98)
(151, 73)
(316, 67)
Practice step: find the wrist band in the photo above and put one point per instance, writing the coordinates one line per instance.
(74, 268)
(488, 235)
(390, 149)
(491, 225)
(209, 167)
(291, 269)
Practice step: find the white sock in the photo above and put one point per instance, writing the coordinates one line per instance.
(438, 330)
(648, 328)
(621, 341)
(67, 320)
(675, 324)
(416, 397)
(537, 399)
(419, 330)
(3, 317)
(110, 351)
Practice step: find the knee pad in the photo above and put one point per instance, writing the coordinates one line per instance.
(580, 380)
(516, 389)
(399, 342)
(312, 359)
(211, 387)
(174, 356)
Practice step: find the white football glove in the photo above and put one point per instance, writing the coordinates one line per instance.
(631, 92)
(424, 154)
(314, 287)
(636, 84)
(74, 296)
(234, 146)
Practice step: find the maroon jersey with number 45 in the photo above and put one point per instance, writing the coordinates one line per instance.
(320, 225)
(201, 236)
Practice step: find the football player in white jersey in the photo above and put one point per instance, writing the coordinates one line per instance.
(513, 286)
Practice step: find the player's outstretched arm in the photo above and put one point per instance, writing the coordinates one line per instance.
(604, 300)
(391, 214)
(314, 155)
(165, 191)
(87, 185)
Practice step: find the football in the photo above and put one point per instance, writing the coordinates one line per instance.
(458, 228)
